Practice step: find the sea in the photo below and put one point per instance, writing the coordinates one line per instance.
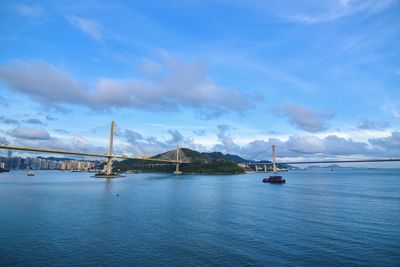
(343, 217)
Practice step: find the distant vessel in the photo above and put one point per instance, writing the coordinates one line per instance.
(31, 173)
(276, 179)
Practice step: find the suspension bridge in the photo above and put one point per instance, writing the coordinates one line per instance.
(327, 158)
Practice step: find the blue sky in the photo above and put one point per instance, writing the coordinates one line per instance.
(232, 76)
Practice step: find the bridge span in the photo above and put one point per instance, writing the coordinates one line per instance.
(175, 156)
(263, 165)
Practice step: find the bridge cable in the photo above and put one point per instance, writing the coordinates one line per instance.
(318, 154)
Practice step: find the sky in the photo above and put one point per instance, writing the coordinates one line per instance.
(231, 76)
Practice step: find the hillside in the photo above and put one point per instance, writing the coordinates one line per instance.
(201, 162)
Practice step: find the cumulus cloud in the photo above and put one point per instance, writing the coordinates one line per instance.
(30, 11)
(296, 146)
(6, 120)
(74, 144)
(34, 121)
(176, 136)
(149, 145)
(308, 146)
(373, 125)
(89, 27)
(226, 143)
(305, 147)
(387, 145)
(177, 85)
(40, 138)
(3, 140)
(30, 133)
(304, 118)
(43, 82)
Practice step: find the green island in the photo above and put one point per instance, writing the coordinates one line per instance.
(201, 163)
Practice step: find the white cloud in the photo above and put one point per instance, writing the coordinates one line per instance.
(332, 10)
(314, 147)
(306, 147)
(388, 146)
(226, 143)
(139, 145)
(304, 118)
(392, 108)
(30, 11)
(42, 81)
(30, 133)
(89, 27)
(6, 120)
(373, 125)
(178, 84)
(34, 121)
(3, 140)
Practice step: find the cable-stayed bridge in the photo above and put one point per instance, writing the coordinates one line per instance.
(175, 156)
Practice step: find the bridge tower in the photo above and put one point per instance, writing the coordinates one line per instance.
(177, 171)
(110, 150)
(274, 168)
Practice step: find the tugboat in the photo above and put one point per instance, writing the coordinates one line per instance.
(274, 179)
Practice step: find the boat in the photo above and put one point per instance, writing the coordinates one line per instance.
(31, 173)
(275, 179)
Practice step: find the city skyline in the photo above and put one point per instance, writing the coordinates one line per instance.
(210, 76)
(42, 163)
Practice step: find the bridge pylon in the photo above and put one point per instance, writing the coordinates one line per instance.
(274, 168)
(110, 150)
(177, 171)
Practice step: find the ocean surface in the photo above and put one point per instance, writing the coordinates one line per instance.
(346, 217)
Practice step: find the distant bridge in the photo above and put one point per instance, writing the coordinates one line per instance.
(263, 165)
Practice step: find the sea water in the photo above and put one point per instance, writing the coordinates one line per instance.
(345, 217)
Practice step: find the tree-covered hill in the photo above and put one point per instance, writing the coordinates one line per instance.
(200, 162)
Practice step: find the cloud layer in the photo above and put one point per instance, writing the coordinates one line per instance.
(305, 118)
(173, 85)
(137, 144)
(30, 133)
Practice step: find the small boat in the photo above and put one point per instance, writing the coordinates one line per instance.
(276, 179)
(31, 173)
